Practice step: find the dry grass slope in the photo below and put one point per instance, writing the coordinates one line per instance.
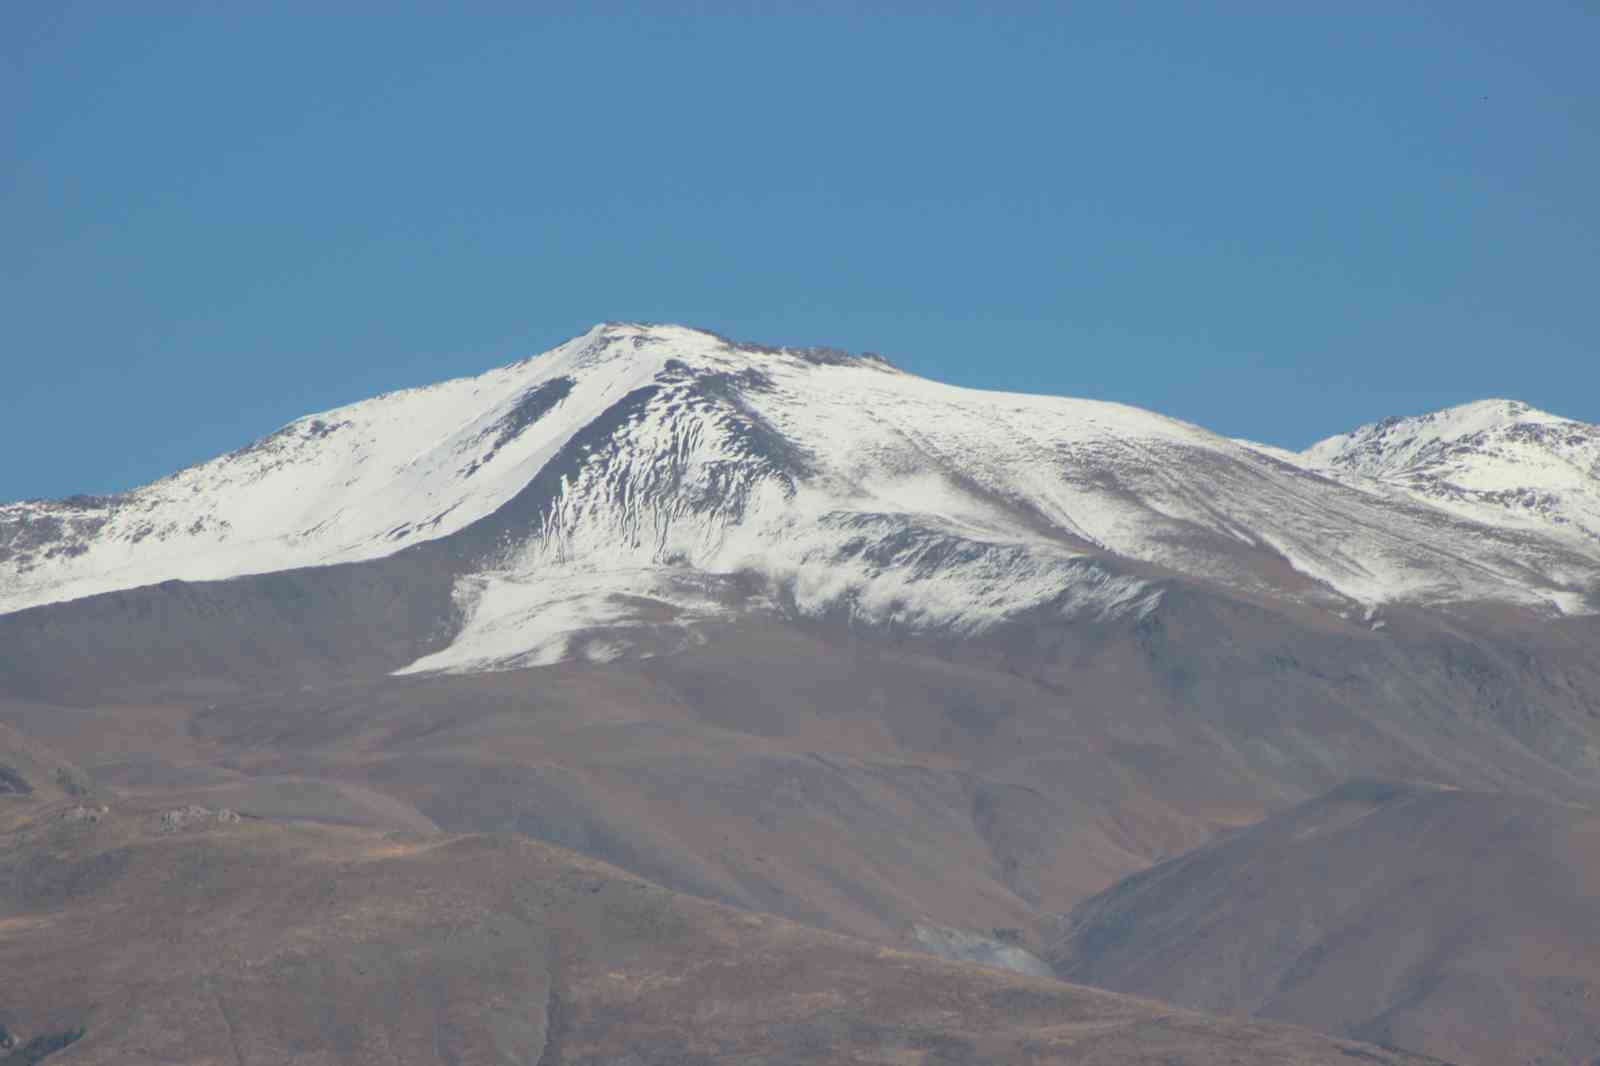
(1462, 924)
(254, 942)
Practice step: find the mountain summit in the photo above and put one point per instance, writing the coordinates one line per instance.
(1494, 461)
(611, 495)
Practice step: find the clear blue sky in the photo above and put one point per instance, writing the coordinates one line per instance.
(1275, 219)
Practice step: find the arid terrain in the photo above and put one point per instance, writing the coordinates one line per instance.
(1406, 915)
(131, 934)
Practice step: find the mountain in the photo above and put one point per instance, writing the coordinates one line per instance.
(1456, 922)
(613, 493)
(1496, 461)
(792, 631)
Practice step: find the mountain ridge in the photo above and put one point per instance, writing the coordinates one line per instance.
(640, 481)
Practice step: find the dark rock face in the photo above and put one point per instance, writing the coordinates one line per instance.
(534, 405)
(41, 1047)
(34, 533)
(13, 783)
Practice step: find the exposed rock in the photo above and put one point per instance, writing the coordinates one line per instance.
(194, 816)
(13, 783)
(69, 783)
(41, 1047)
(962, 946)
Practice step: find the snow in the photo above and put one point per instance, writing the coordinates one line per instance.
(940, 509)
(521, 620)
(794, 480)
(1496, 461)
(1411, 440)
(356, 482)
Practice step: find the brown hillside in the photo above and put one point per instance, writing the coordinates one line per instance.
(140, 937)
(1462, 924)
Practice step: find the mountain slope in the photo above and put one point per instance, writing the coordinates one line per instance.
(356, 482)
(639, 482)
(149, 936)
(1456, 923)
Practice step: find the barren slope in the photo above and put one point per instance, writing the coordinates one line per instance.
(1462, 924)
(833, 776)
(125, 939)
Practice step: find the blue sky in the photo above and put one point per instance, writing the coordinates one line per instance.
(1277, 220)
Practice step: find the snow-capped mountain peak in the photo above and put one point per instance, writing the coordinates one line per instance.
(1401, 442)
(355, 482)
(1492, 460)
(639, 480)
